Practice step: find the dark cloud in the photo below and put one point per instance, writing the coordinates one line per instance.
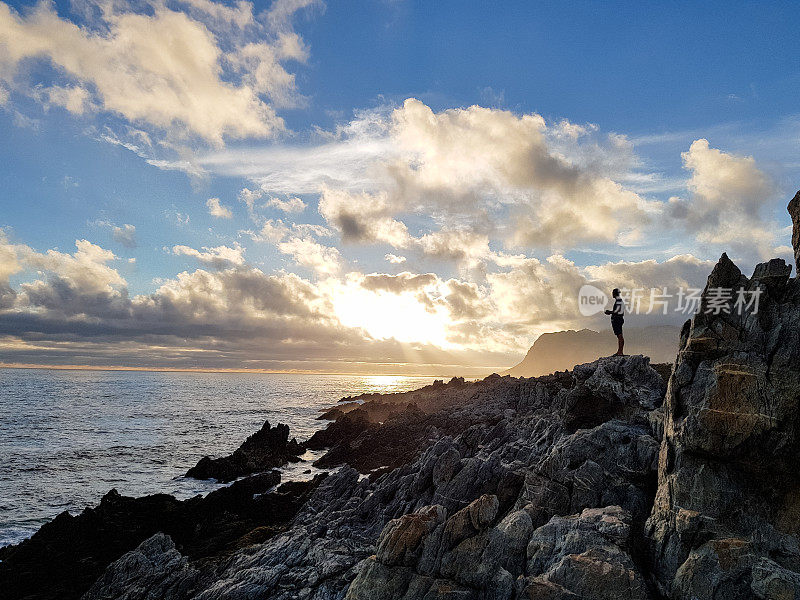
(397, 284)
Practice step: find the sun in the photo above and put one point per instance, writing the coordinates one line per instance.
(385, 315)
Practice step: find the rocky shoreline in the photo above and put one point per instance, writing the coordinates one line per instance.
(616, 480)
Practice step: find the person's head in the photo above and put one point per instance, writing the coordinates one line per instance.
(615, 292)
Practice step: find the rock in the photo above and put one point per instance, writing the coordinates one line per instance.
(585, 555)
(483, 511)
(614, 463)
(612, 387)
(371, 446)
(728, 485)
(346, 427)
(155, 562)
(461, 474)
(794, 212)
(774, 273)
(268, 448)
(508, 541)
(75, 550)
(401, 538)
(540, 589)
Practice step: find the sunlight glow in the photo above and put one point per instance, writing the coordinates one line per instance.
(385, 315)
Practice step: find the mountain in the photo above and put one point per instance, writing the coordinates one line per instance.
(562, 350)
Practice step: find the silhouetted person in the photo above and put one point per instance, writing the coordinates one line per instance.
(617, 319)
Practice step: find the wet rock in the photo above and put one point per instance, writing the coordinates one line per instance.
(369, 446)
(268, 448)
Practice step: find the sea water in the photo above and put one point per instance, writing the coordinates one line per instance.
(68, 436)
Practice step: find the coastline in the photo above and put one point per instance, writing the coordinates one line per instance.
(146, 429)
(643, 481)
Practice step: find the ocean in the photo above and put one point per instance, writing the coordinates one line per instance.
(68, 437)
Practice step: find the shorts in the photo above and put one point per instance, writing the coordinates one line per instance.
(617, 327)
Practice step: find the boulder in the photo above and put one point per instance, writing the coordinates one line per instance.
(584, 556)
(266, 449)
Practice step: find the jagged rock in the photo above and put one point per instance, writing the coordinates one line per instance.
(727, 498)
(483, 511)
(580, 556)
(419, 549)
(368, 446)
(794, 212)
(345, 428)
(75, 550)
(585, 555)
(773, 273)
(614, 463)
(468, 448)
(401, 538)
(155, 563)
(266, 449)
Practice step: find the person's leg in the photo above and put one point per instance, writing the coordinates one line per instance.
(621, 344)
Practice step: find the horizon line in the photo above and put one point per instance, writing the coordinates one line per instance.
(22, 366)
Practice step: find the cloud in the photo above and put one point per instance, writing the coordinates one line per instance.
(78, 310)
(363, 218)
(726, 206)
(461, 245)
(68, 307)
(218, 210)
(474, 161)
(308, 253)
(125, 235)
(75, 99)
(289, 205)
(220, 257)
(460, 176)
(466, 300)
(402, 282)
(160, 67)
(298, 241)
(679, 271)
(394, 259)
(9, 265)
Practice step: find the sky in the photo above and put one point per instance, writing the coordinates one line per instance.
(376, 187)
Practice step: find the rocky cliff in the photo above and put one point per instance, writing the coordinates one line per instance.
(489, 467)
(726, 518)
(616, 480)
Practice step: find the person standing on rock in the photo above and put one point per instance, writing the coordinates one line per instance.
(617, 319)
